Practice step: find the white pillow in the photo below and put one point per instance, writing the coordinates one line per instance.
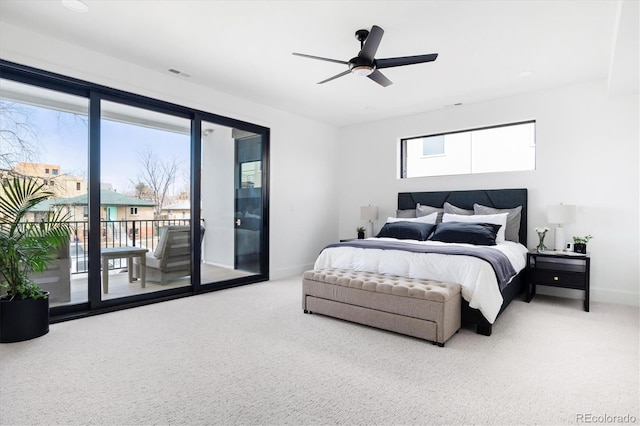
(430, 218)
(497, 219)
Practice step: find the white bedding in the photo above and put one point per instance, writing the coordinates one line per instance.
(478, 280)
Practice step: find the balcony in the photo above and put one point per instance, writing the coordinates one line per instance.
(138, 233)
(117, 233)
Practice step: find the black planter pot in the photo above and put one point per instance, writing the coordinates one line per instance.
(580, 248)
(23, 319)
(361, 235)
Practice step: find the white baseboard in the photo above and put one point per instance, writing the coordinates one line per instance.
(277, 274)
(597, 295)
(615, 296)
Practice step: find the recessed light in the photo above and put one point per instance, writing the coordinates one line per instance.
(76, 6)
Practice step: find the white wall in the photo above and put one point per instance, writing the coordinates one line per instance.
(218, 164)
(303, 179)
(587, 154)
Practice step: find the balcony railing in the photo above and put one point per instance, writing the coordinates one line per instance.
(116, 233)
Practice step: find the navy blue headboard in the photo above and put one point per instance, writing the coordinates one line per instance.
(496, 198)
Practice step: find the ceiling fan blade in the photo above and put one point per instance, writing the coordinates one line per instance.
(371, 43)
(335, 76)
(321, 58)
(379, 78)
(405, 60)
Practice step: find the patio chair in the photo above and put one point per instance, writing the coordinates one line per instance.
(56, 278)
(172, 257)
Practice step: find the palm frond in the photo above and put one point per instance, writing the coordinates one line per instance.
(27, 246)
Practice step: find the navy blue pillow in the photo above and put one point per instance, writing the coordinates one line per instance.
(480, 234)
(405, 230)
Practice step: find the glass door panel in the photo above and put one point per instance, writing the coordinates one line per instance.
(248, 202)
(45, 136)
(144, 201)
(231, 197)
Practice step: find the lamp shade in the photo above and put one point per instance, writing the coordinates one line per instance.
(561, 213)
(369, 212)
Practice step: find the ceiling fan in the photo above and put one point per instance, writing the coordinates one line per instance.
(365, 64)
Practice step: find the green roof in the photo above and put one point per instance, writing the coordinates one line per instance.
(44, 206)
(107, 198)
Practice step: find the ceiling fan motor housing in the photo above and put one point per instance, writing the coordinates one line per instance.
(361, 63)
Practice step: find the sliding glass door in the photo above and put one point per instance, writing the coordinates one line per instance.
(232, 203)
(165, 200)
(145, 202)
(45, 137)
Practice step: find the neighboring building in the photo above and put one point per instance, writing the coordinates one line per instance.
(179, 210)
(114, 207)
(62, 185)
(123, 216)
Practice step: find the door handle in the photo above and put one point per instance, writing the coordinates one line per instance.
(238, 222)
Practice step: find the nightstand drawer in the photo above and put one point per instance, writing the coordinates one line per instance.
(558, 279)
(558, 264)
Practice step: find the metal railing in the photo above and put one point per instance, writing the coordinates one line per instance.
(116, 233)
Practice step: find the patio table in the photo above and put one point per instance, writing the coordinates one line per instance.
(121, 253)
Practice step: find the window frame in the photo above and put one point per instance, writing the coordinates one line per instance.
(95, 94)
(403, 147)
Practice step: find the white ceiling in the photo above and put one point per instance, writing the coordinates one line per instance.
(487, 49)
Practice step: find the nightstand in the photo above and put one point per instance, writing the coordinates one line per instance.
(557, 269)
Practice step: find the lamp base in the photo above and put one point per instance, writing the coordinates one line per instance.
(559, 239)
(369, 229)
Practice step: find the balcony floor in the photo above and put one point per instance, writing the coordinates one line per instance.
(119, 285)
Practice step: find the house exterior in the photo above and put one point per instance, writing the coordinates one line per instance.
(123, 216)
(62, 185)
(118, 213)
(179, 210)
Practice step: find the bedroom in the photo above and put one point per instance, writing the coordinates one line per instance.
(587, 152)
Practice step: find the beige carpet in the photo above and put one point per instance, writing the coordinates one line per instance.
(249, 355)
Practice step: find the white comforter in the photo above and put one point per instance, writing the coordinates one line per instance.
(478, 280)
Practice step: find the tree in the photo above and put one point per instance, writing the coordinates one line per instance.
(18, 135)
(158, 176)
(141, 190)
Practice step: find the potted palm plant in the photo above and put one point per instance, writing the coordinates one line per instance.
(26, 247)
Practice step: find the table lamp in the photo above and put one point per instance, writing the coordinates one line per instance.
(369, 213)
(560, 214)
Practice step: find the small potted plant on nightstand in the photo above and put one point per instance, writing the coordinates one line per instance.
(580, 244)
(360, 231)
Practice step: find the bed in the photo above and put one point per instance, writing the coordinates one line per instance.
(488, 284)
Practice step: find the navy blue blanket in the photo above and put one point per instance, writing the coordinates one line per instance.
(498, 260)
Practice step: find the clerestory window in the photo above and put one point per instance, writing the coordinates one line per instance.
(503, 148)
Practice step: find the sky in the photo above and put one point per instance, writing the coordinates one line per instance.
(62, 139)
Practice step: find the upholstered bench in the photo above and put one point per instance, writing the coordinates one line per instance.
(421, 308)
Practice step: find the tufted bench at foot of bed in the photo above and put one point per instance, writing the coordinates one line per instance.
(420, 308)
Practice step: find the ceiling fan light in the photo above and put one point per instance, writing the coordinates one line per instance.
(362, 70)
(76, 6)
